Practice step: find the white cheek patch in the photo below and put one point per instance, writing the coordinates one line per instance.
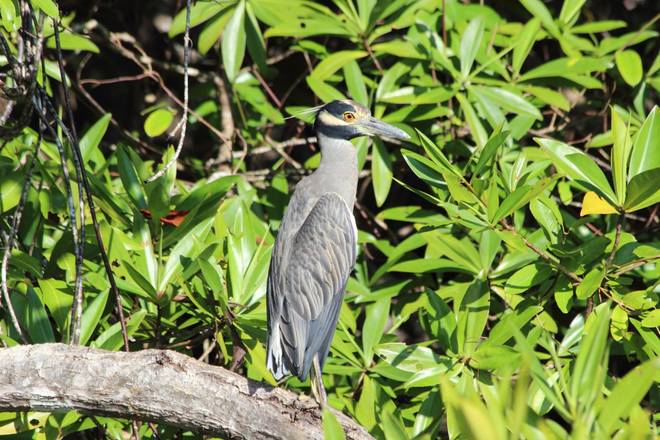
(327, 119)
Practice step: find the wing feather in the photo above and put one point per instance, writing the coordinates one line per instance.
(306, 284)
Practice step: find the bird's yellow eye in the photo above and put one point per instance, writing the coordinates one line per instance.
(349, 117)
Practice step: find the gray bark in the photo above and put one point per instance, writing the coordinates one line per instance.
(157, 385)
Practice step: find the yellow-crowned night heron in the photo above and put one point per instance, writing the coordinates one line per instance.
(316, 247)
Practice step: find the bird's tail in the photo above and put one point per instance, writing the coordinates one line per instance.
(274, 360)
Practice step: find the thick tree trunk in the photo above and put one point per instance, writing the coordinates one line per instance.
(157, 385)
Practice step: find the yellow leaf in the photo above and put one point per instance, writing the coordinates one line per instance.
(594, 204)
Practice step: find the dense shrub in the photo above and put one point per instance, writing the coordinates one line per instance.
(507, 283)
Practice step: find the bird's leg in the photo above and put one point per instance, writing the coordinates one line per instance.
(317, 383)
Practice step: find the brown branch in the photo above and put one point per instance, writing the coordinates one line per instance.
(160, 386)
(633, 265)
(544, 255)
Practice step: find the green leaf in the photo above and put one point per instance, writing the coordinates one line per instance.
(470, 44)
(508, 101)
(550, 97)
(69, 41)
(8, 14)
(365, 410)
(92, 315)
(645, 152)
(489, 150)
(525, 39)
(579, 167)
(590, 283)
(355, 82)
(393, 426)
(381, 170)
(255, 39)
(112, 339)
(213, 30)
(519, 198)
(424, 169)
(628, 393)
(591, 363)
(326, 68)
(598, 26)
(436, 154)
(476, 127)
(233, 42)
(92, 138)
(527, 277)
(48, 7)
(199, 13)
(11, 187)
(570, 11)
(377, 314)
(57, 300)
(630, 66)
(130, 179)
(620, 155)
(538, 10)
(324, 90)
(565, 67)
(643, 190)
(332, 429)
(459, 251)
(472, 316)
(35, 319)
(158, 122)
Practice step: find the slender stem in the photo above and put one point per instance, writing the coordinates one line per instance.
(76, 309)
(550, 259)
(183, 124)
(633, 265)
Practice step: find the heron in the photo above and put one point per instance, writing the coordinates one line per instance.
(316, 247)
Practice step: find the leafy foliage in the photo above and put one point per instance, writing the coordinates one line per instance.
(507, 283)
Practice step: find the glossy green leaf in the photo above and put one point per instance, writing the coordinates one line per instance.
(525, 41)
(49, 7)
(645, 152)
(130, 179)
(627, 393)
(570, 11)
(233, 42)
(591, 363)
(199, 13)
(538, 10)
(8, 14)
(69, 41)
(381, 170)
(630, 66)
(579, 167)
(374, 324)
(334, 62)
(11, 187)
(355, 82)
(90, 141)
(92, 315)
(212, 31)
(158, 122)
(643, 190)
(620, 155)
(470, 44)
(589, 284)
(332, 430)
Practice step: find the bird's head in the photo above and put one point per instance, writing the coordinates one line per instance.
(347, 119)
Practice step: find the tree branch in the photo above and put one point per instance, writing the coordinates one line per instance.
(157, 385)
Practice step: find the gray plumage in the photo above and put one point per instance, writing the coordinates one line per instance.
(316, 245)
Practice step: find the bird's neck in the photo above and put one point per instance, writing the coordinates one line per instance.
(338, 169)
